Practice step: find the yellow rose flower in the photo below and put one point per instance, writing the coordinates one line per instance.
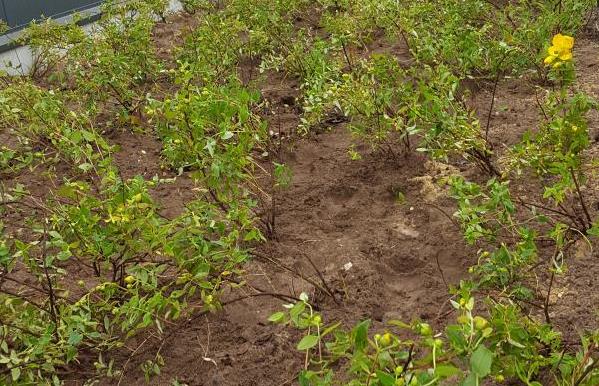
(563, 42)
(560, 50)
(565, 56)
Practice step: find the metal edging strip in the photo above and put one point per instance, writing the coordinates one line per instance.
(8, 41)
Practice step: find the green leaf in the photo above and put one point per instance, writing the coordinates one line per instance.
(86, 166)
(210, 145)
(74, 338)
(446, 371)
(594, 231)
(470, 380)
(15, 373)
(514, 343)
(361, 335)
(385, 379)
(303, 379)
(307, 342)
(88, 136)
(71, 353)
(330, 329)
(481, 360)
(277, 317)
(296, 311)
(400, 324)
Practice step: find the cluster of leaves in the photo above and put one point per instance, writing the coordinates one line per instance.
(96, 64)
(481, 38)
(93, 261)
(40, 116)
(146, 268)
(383, 100)
(385, 103)
(449, 42)
(471, 351)
(556, 151)
(378, 98)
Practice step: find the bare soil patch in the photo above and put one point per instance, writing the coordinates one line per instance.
(381, 258)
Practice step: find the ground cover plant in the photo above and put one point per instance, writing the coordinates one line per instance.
(107, 253)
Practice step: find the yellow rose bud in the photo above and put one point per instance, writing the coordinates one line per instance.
(480, 322)
(129, 279)
(386, 339)
(425, 329)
